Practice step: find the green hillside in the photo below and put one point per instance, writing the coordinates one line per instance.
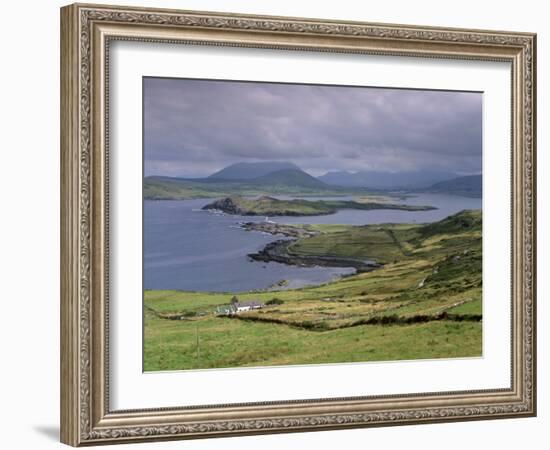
(425, 301)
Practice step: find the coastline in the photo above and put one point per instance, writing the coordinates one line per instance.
(344, 235)
(423, 293)
(277, 251)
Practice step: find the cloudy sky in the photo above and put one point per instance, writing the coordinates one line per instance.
(194, 127)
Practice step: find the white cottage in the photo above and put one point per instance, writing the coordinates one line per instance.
(248, 306)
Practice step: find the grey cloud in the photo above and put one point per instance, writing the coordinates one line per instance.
(194, 127)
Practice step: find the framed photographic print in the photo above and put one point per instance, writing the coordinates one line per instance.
(276, 224)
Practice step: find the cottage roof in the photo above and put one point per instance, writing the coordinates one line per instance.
(251, 304)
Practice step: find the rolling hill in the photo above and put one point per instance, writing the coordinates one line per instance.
(422, 301)
(470, 186)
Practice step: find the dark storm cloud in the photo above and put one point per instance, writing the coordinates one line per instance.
(195, 127)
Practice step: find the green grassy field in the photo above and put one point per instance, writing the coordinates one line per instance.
(424, 302)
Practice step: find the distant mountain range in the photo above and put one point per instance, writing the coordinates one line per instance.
(287, 178)
(387, 180)
(469, 186)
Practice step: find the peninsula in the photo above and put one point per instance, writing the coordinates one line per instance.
(280, 250)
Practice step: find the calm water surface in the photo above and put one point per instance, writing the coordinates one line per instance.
(189, 249)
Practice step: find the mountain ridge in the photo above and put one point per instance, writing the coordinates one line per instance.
(248, 171)
(287, 178)
(469, 185)
(372, 179)
(290, 177)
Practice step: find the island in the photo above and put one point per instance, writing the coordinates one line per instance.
(270, 206)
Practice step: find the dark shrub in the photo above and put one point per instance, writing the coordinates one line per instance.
(274, 301)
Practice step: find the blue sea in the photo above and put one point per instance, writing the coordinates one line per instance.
(186, 248)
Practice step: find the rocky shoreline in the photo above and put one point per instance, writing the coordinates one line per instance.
(276, 228)
(278, 251)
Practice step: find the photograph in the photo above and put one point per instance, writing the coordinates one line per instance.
(291, 220)
(294, 224)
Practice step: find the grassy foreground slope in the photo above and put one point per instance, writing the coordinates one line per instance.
(424, 302)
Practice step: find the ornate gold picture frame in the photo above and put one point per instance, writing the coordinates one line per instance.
(87, 32)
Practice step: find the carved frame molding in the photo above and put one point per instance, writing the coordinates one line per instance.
(86, 32)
